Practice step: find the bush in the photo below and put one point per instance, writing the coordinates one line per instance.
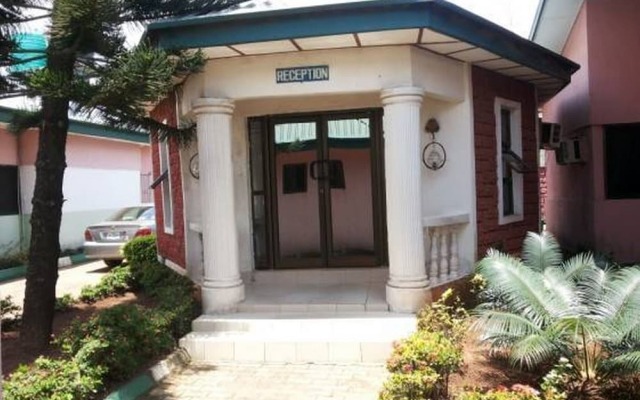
(414, 385)
(141, 250)
(117, 282)
(427, 358)
(9, 314)
(13, 260)
(517, 392)
(121, 339)
(446, 316)
(65, 303)
(53, 379)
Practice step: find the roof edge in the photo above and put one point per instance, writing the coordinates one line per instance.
(90, 129)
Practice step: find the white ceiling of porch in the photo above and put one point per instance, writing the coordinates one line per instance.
(423, 38)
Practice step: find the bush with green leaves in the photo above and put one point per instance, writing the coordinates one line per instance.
(117, 282)
(542, 308)
(447, 315)
(141, 250)
(516, 392)
(422, 364)
(65, 303)
(121, 339)
(64, 379)
(10, 313)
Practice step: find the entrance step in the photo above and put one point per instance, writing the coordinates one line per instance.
(297, 337)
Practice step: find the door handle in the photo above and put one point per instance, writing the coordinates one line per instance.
(313, 171)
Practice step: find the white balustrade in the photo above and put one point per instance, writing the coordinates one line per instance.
(443, 250)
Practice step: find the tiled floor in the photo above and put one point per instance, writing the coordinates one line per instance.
(273, 382)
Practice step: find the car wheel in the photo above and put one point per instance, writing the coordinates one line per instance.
(112, 263)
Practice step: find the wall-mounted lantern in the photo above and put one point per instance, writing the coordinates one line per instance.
(434, 155)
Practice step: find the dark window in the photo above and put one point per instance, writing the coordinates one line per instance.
(508, 202)
(9, 190)
(622, 161)
(336, 174)
(294, 178)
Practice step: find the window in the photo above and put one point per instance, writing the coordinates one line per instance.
(509, 160)
(294, 178)
(9, 191)
(167, 202)
(622, 169)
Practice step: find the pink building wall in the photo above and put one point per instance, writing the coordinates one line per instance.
(8, 148)
(605, 41)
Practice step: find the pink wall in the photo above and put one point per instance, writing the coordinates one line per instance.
(88, 152)
(571, 106)
(8, 148)
(614, 60)
(352, 207)
(605, 41)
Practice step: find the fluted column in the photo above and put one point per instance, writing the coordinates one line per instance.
(407, 285)
(222, 287)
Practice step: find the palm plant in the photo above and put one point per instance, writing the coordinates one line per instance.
(540, 308)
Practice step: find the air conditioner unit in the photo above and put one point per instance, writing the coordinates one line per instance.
(571, 151)
(550, 135)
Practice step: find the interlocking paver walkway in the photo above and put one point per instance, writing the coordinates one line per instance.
(272, 382)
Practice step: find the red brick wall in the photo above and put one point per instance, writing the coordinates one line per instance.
(170, 246)
(487, 86)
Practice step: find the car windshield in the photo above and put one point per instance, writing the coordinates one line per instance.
(134, 214)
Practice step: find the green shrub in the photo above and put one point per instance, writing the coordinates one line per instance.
(122, 338)
(9, 313)
(117, 282)
(446, 316)
(414, 385)
(178, 306)
(65, 303)
(517, 392)
(141, 250)
(14, 259)
(423, 356)
(53, 379)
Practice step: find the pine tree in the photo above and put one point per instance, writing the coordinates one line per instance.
(90, 72)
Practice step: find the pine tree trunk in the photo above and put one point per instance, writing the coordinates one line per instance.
(44, 251)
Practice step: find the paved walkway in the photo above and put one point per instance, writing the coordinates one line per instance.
(70, 281)
(272, 382)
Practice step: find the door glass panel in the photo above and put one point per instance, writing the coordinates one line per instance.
(299, 227)
(256, 146)
(349, 153)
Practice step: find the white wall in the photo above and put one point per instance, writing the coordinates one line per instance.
(91, 195)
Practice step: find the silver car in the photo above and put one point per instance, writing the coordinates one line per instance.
(106, 239)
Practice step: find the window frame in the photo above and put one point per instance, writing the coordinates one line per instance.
(166, 188)
(515, 110)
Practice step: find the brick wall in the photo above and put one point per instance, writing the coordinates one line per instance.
(170, 246)
(487, 86)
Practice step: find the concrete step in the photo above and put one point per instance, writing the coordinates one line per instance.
(297, 337)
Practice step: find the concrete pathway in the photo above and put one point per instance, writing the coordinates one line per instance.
(272, 382)
(70, 281)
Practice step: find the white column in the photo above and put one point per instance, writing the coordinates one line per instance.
(222, 287)
(407, 286)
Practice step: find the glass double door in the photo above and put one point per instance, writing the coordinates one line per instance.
(324, 194)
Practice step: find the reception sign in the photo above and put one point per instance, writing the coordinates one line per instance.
(302, 74)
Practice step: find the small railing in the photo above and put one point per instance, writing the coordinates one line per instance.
(443, 259)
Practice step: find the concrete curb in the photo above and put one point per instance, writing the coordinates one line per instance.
(19, 272)
(144, 382)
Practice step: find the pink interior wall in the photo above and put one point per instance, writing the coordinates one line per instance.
(614, 60)
(352, 213)
(8, 148)
(145, 160)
